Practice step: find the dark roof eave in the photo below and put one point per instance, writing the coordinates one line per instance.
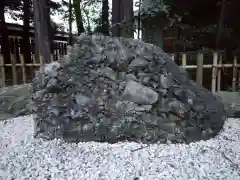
(161, 14)
(18, 27)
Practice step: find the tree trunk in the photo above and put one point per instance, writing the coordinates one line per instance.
(139, 24)
(88, 21)
(26, 21)
(105, 22)
(115, 18)
(70, 22)
(220, 24)
(51, 32)
(41, 30)
(126, 16)
(122, 18)
(4, 34)
(176, 49)
(78, 15)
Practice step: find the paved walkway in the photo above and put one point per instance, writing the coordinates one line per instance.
(231, 102)
(9, 95)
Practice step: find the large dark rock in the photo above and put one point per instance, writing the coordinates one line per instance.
(114, 89)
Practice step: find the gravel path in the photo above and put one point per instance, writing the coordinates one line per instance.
(23, 157)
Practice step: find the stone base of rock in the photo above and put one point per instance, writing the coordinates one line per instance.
(116, 89)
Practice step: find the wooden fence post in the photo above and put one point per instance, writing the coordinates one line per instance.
(234, 74)
(51, 57)
(23, 69)
(2, 75)
(219, 75)
(184, 61)
(173, 57)
(14, 69)
(238, 77)
(214, 72)
(34, 59)
(199, 73)
(41, 60)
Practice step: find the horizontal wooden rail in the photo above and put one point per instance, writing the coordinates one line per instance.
(32, 38)
(211, 66)
(22, 66)
(216, 67)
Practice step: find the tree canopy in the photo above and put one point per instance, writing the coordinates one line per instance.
(199, 22)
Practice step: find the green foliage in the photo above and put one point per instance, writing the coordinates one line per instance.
(17, 13)
(159, 9)
(16, 9)
(90, 14)
(197, 25)
(154, 9)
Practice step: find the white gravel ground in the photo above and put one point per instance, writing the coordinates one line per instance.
(23, 157)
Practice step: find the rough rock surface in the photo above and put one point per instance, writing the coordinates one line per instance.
(115, 89)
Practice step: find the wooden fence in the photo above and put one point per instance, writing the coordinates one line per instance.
(16, 47)
(194, 62)
(16, 70)
(217, 64)
(19, 72)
